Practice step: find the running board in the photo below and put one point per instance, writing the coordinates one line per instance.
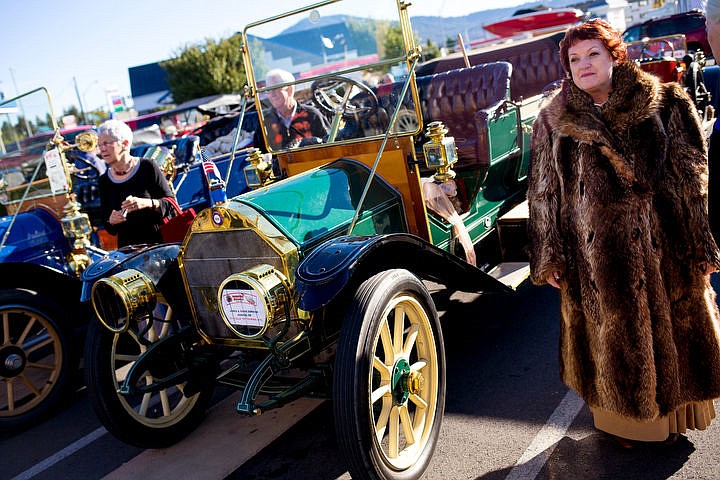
(511, 274)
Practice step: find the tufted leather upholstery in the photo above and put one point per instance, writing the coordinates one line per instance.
(536, 63)
(465, 100)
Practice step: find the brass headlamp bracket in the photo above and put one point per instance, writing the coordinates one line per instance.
(259, 172)
(76, 224)
(440, 152)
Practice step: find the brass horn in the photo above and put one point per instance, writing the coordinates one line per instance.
(86, 141)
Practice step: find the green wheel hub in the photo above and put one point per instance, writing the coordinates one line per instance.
(405, 381)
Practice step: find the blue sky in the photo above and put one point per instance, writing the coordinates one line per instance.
(91, 44)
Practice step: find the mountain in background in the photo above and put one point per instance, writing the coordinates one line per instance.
(439, 29)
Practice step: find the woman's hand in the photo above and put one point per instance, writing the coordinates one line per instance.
(117, 216)
(132, 204)
(553, 278)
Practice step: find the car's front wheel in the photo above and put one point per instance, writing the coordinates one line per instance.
(389, 378)
(154, 419)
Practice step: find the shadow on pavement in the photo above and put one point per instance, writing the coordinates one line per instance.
(598, 457)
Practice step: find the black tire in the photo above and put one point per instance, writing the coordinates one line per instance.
(364, 369)
(35, 358)
(149, 425)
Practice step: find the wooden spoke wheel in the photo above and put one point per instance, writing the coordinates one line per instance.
(151, 419)
(389, 386)
(34, 358)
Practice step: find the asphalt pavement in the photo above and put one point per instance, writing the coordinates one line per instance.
(508, 417)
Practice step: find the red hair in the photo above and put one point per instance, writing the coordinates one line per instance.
(595, 29)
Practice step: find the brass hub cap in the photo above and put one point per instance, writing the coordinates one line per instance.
(415, 382)
(405, 382)
(12, 361)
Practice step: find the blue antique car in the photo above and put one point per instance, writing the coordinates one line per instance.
(51, 233)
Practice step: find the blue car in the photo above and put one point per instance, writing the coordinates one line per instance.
(49, 235)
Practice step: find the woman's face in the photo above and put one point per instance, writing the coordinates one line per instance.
(109, 148)
(591, 68)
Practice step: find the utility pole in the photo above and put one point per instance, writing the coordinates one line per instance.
(82, 110)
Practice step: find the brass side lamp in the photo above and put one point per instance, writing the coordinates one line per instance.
(76, 228)
(259, 172)
(76, 224)
(440, 152)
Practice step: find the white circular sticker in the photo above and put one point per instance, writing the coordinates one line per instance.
(243, 308)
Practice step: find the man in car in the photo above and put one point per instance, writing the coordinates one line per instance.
(288, 123)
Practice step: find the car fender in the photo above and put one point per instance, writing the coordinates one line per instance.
(152, 259)
(330, 267)
(63, 289)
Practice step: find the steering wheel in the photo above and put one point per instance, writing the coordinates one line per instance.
(352, 98)
(82, 168)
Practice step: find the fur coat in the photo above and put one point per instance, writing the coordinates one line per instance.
(618, 205)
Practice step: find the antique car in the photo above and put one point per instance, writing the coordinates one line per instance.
(313, 282)
(668, 58)
(691, 24)
(44, 245)
(50, 233)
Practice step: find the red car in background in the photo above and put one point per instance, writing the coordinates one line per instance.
(691, 24)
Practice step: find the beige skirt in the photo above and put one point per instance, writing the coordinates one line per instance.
(691, 416)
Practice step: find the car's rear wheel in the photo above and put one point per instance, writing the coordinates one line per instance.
(35, 358)
(389, 379)
(153, 419)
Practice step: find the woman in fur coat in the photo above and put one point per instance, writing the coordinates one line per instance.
(618, 222)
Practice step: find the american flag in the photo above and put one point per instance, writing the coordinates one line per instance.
(211, 170)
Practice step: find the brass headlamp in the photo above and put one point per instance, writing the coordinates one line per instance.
(259, 172)
(440, 152)
(122, 298)
(252, 301)
(165, 158)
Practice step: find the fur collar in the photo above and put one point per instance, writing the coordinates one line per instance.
(636, 95)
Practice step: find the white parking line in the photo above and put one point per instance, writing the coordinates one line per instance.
(543, 445)
(61, 455)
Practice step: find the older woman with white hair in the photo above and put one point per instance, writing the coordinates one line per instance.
(134, 193)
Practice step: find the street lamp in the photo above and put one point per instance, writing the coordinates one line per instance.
(329, 44)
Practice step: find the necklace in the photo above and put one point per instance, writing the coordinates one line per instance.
(127, 170)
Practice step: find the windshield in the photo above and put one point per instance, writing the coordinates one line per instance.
(330, 72)
(27, 125)
(673, 46)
